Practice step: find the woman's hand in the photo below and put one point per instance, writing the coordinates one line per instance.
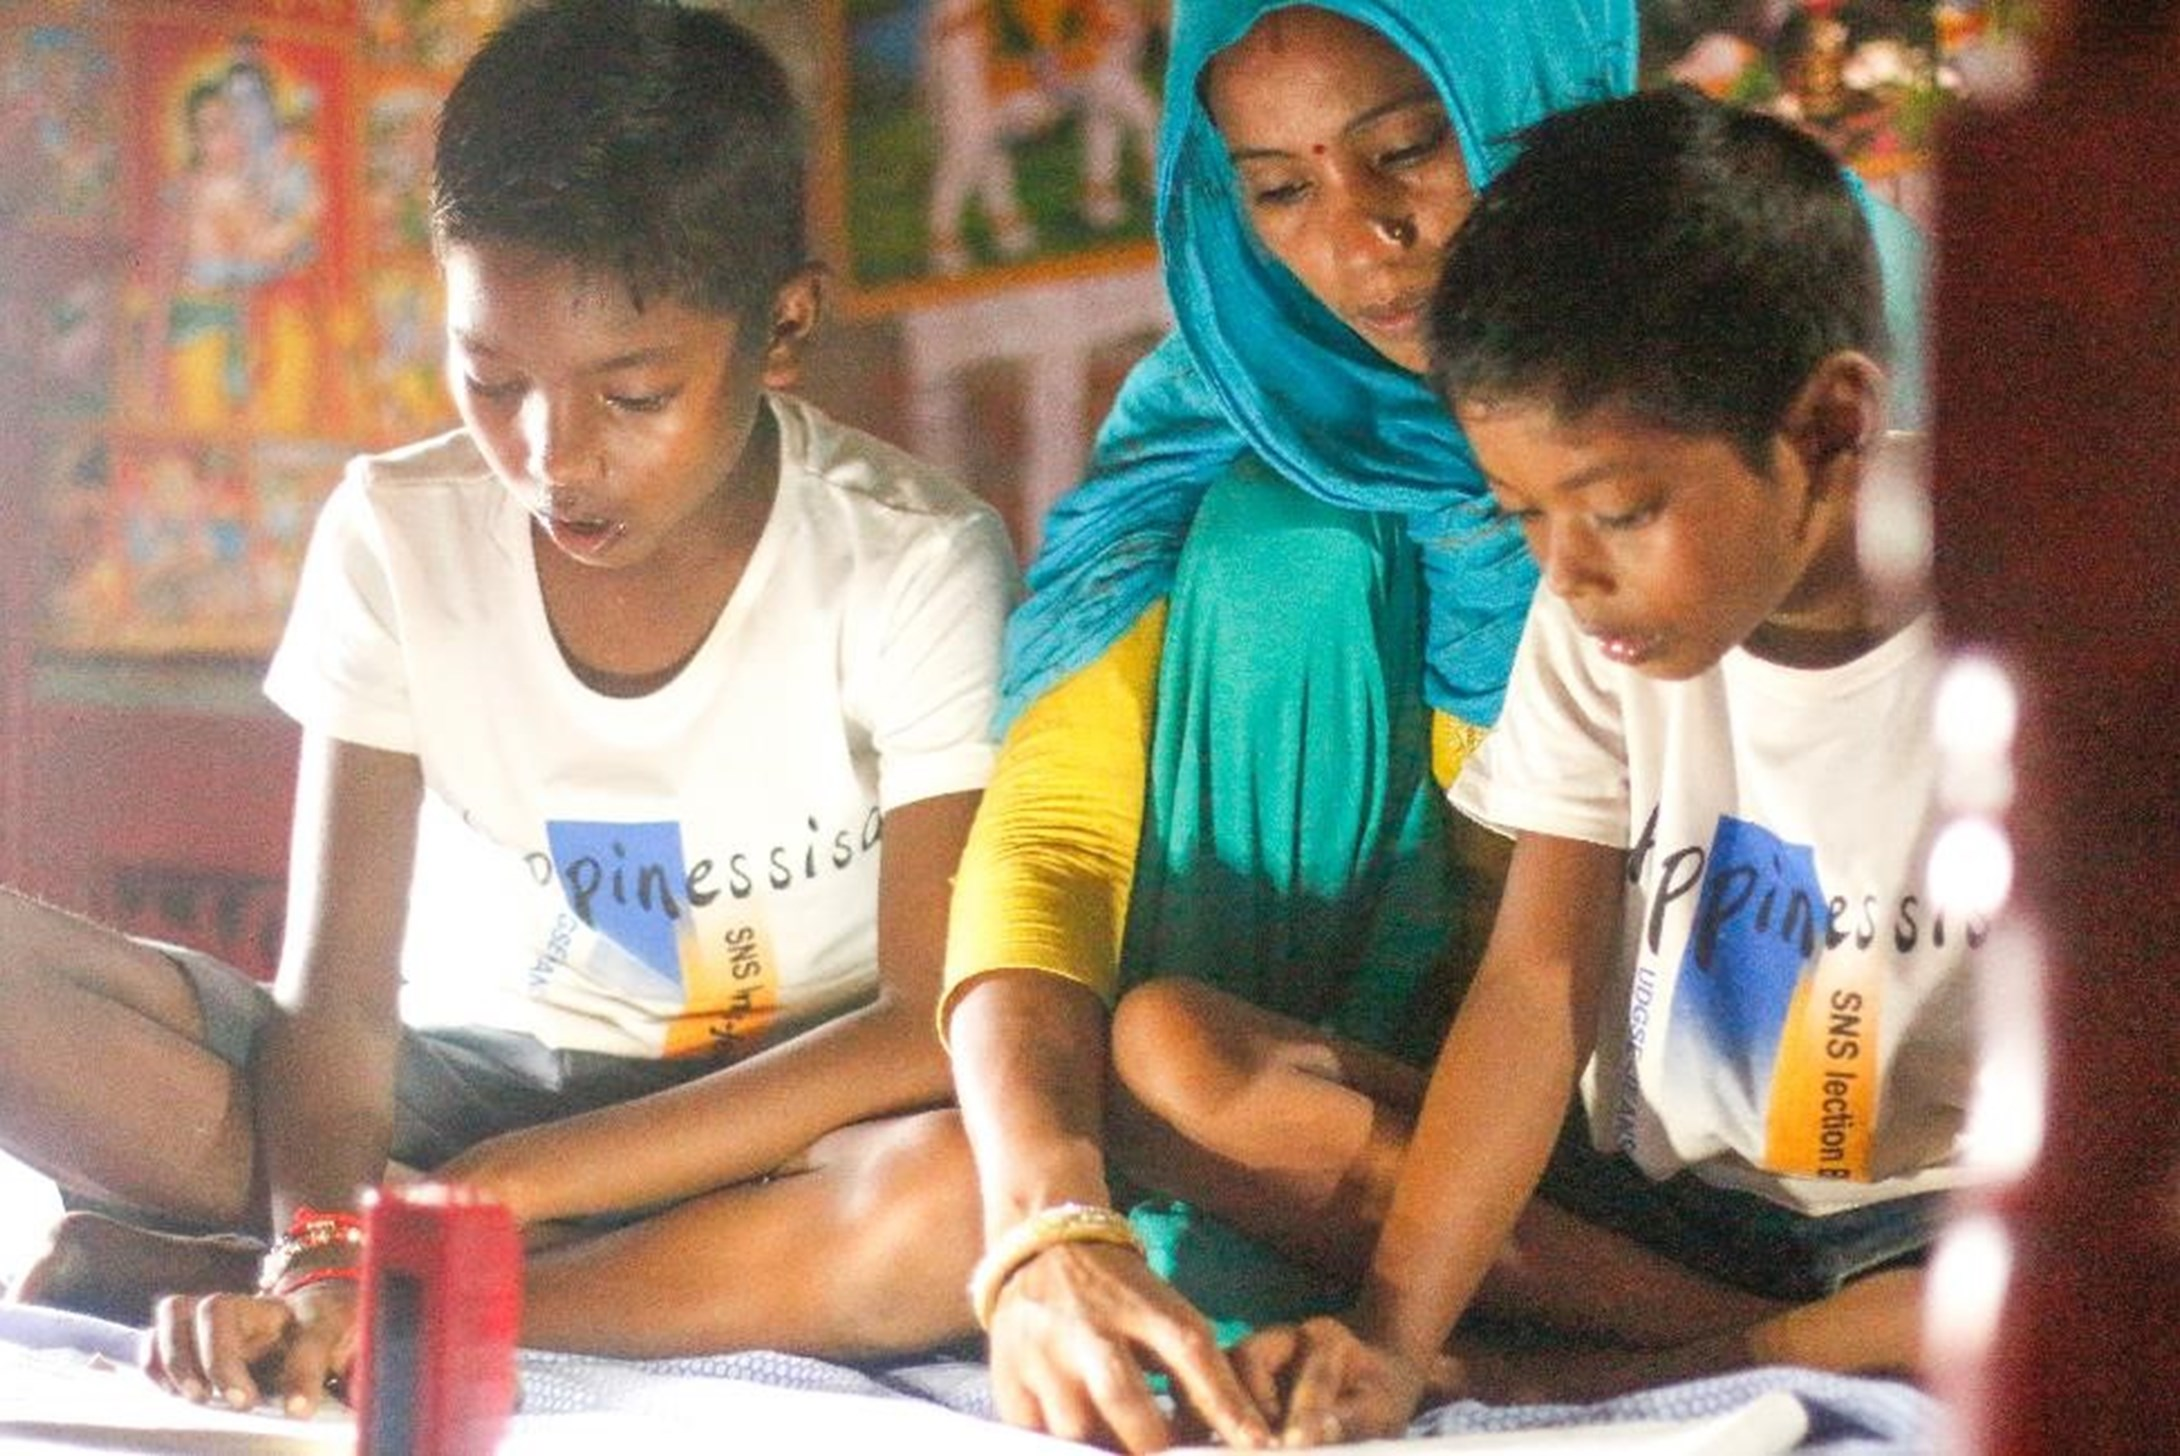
(1337, 1386)
(1072, 1333)
(219, 1347)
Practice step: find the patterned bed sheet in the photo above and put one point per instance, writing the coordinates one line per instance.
(69, 1384)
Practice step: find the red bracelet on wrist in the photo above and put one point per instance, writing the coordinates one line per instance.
(302, 1279)
(309, 1231)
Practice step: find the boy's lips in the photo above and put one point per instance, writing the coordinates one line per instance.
(1629, 649)
(582, 535)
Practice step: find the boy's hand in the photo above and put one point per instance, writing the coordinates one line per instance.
(1338, 1386)
(216, 1347)
(1071, 1334)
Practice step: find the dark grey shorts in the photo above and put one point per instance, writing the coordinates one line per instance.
(455, 1086)
(1734, 1237)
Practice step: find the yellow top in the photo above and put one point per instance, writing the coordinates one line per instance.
(1045, 878)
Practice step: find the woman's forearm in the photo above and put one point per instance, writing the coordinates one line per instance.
(1029, 1056)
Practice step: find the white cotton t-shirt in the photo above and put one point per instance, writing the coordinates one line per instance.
(697, 867)
(1791, 1015)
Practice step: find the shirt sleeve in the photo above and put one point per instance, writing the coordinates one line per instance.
(1556, 762)
(1045, 879)
(340, 669)
(937, 680)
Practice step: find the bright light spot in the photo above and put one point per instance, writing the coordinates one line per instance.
(2006, 1109)
(1976, 711)
(1970, 1268)
(1892, 529)
(1971, 866)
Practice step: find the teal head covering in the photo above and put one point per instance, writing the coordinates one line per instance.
(1258, 366)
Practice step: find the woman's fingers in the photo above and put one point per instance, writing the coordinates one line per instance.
(320, 1346)
(1070, 1336)
(1181, 1341)
(1262, 1361)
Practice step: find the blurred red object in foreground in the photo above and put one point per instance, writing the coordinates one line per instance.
(442, 1302)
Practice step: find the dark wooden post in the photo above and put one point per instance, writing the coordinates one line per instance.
(2056, 491)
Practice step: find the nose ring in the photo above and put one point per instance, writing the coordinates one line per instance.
(1399, 231)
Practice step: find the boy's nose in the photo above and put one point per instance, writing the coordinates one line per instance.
(1568, 558)
(562, 439)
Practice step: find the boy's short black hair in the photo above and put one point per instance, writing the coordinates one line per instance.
(640, 138)
(1684, 260)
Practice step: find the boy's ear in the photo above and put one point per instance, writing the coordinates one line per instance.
(796, 311)
(1838, 415)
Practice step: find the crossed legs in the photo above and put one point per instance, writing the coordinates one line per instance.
(1295, 1136)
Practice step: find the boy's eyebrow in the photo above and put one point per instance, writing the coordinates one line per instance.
(1584, 479)
(633, 359)
(1580, 480)
(1421, 95)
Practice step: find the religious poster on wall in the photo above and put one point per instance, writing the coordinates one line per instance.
(242, 311)
(255, 298)
(58, 111)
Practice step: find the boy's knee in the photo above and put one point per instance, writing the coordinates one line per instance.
(1166, 1049)
(916, 1163)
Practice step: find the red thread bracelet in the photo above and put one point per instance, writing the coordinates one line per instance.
(309, 1230)
(296, 1283)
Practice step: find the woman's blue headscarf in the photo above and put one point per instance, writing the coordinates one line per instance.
(1257, 365)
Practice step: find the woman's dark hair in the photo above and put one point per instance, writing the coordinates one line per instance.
(639, 138)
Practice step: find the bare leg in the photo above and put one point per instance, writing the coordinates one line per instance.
(862, 1249)
(105, 1084)
(1290, 1133)
(1295, 1136)
(1871, 1327)
(97, 1265)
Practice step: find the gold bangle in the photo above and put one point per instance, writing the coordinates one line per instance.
(1063, 1223)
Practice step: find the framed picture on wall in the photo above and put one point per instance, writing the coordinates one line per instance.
(971, 144)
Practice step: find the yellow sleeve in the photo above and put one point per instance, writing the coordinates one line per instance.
(1045, 878)
(1452, 741)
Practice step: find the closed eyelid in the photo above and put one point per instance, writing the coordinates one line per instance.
(493, 388)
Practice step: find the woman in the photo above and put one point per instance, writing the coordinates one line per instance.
(1228, 658)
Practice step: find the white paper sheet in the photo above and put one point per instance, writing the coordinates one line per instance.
(72, 1400)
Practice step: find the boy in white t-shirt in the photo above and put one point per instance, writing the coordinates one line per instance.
(1660, 330)
(644, 718)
